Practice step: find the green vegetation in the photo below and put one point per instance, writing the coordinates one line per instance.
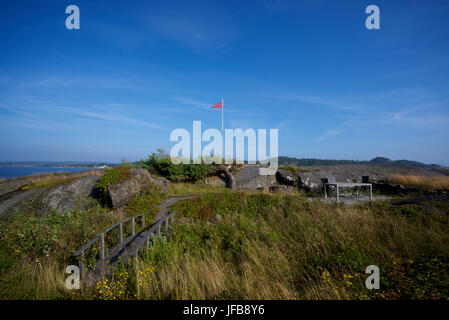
(160, 163)
(112, 176)
(47, 183)
(36, 248)
(240, 245)
(183, 188)
(145, 202)
(236, 245)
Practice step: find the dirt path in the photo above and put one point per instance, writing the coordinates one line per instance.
(168, 202)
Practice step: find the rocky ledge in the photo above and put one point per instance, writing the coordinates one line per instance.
(139, 180)
(79, 193)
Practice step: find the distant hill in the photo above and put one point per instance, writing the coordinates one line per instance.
(376, 161)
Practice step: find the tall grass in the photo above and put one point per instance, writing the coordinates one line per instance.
(35, 249)
(239, 245)
(180, 188)
(425, 182)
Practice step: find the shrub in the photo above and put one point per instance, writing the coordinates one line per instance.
(146, 202)
(112, 176)
(197, 171)
(161, 163)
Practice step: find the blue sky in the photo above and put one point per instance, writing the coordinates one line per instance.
(135, 71)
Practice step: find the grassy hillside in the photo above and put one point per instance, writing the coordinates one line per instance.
(241, 245)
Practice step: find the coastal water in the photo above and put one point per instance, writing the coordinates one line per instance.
(7, 172)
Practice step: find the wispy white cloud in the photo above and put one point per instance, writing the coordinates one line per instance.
(328, 134)
(408, 107)
(78, 82)
(37, 113)
(115, 117)
(38, 123)
(402, 115)
(334, 103)
(193, 102)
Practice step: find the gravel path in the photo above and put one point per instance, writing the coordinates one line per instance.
(167, 203)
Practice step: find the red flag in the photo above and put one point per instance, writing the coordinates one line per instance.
(217, 106)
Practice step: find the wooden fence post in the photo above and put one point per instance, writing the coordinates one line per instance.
(81, 265)
(133, 229)
(120, 232)
(102, 246)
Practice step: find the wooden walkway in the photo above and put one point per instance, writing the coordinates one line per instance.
(128, 247)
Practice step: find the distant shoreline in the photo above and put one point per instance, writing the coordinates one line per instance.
(57, 164)
(46, 166)
(13, 172)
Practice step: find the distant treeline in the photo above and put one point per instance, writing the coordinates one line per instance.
(282, 161)
(376, 161)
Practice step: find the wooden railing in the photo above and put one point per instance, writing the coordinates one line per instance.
(154, 229)
(100, 238)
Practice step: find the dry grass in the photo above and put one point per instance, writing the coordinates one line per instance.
(180, 189)
(264, 275)
(308, 252)
(37, 279)
(53, 179)
(246, 245)
(432, 183)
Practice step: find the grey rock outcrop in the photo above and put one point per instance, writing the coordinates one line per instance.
(120, 194)
(12, 185)
(15, 184)
(14, 203)
(218, 181)
(396, 189)
(286, 177)
(311, 181)
(162, 183)
(138, 181)
(72, 195)
(354, 173)
(249, 178)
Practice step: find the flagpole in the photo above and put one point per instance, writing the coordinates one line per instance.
(222, 117)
